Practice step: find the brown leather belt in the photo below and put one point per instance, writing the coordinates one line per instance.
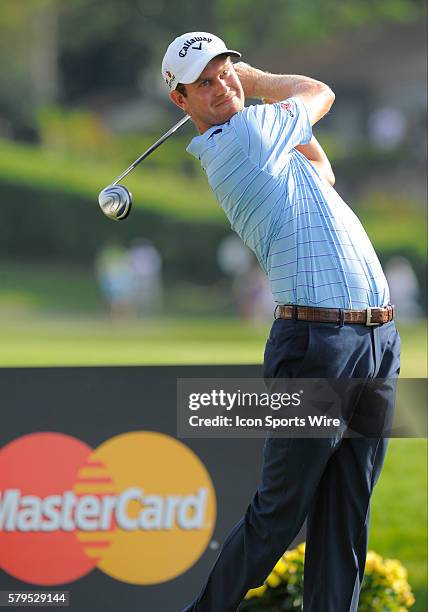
(368, 316)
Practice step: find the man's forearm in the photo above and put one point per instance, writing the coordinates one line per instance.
(275, 87)
(317, 96)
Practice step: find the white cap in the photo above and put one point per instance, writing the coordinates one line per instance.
(187, 56)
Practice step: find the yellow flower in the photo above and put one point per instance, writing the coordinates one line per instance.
(394, 567)
(387, 575)
(399, 586)
(257, 592)
(273, 580)
(281, 567)
(374, 562)
(409, 600)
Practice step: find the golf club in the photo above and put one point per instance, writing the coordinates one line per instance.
(115, 200)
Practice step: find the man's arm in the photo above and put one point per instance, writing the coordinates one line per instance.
(314, 152)
(316, 96)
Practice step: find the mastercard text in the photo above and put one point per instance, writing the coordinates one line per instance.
(130, 510)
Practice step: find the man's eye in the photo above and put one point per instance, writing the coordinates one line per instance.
(204, 83)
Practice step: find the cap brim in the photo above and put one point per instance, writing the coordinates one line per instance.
(197, 68)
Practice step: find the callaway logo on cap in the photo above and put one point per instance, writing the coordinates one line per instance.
(187, 56)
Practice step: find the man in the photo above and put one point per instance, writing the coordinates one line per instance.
(333, 320)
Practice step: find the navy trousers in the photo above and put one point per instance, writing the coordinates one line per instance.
(329, 481)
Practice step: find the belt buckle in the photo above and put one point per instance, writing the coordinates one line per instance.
(369, 322)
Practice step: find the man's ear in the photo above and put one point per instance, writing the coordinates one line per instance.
(178, 99)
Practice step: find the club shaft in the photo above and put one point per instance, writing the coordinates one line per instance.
(154, 146)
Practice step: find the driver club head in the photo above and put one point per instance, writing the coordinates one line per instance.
(115, 201)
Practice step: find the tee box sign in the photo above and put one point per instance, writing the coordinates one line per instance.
(106, 502)
(98, 508)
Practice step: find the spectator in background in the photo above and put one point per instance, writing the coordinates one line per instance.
(146, 270)
(116, 281)
(404, 287)
(249, 284)
(387, 127)
(254, 296)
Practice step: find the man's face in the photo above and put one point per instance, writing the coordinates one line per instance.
(214, 97)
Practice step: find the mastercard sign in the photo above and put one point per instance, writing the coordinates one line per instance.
(141, 507)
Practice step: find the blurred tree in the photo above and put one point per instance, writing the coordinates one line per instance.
(285, 23)
(43, 53)
(71, 52)
(103, 48)
(29, 59)
(29, 46)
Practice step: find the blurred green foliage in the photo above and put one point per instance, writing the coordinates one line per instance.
(394, 223)
(169, 183)
(59, 51)
(72, 131)
(56, 225)
(54, 170)
(286, 23)
(63, 63)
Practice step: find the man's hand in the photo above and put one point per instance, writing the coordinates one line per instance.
(249, 78)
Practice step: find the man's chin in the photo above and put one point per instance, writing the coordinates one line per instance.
(228, 110)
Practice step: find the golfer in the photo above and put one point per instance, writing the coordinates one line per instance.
(333, 319)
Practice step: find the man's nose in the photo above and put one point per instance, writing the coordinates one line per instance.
(222, 86)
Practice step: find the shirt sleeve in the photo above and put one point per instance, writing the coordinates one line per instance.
(269, 132)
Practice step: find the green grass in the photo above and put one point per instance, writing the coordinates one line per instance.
(90, 341)
(53, 314)
(31, 288)
(399, 512)
(413, 349)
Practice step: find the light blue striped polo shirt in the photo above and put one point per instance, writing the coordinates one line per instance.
(307, 239)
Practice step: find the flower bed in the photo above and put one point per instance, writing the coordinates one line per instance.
(385, 586)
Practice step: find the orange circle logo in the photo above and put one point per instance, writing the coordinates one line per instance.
(141, 507)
